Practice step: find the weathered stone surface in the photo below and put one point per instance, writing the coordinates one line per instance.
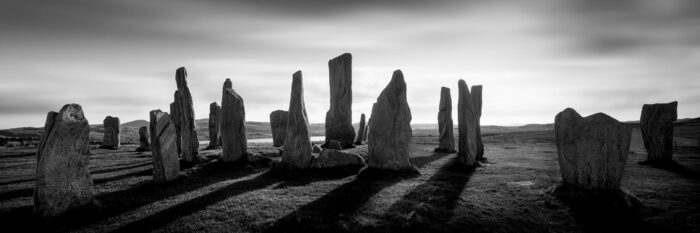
(188, 129)
(214, 111)
(62, 179)
(316, 149)
(110, 140)
(339, 116)
(174, 113)
(331, 158)
(364, 135)
(466, 126)
(166, 165)
(278, 123)
(445, 124)
(592, 150)
(334, 144)
(297, 143)
(657, 130)
(143, 140)
(476, 97)
(233, 132)
(361, 130)
(390, 131)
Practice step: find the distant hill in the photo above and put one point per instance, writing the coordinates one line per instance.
(136, 124)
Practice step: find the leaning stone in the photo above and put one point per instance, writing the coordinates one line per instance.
(339, 116)
(334, 144)
(166, 165)
(466, 126)
(62, 178)
(361, 130)
(188, 129)
(110, 139)
(390, 132)
(657, 131)
(278, 125)
(214, 110)
(476, 97)
(233, 132)
(297, 144)
(143, 140)
(331, 158)
(445, 124)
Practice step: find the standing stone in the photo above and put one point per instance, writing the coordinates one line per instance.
(466, 126)
(166, 165)
(657, 130)
(188, 129)
(175, 112)
(390, 133)
(278, 123)
(476, 97)
(364, 135)
(214, 110)
(233, 134)
(297, 143)
(339, 116)
(110, 139)
(143, 140)
(592, 150)
(62, 179)
(360, 130)
(445, 124)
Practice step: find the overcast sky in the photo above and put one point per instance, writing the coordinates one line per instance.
(534, 57)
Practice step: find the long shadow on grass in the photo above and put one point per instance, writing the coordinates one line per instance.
(329, 212)
(122, 167)
(675, 167)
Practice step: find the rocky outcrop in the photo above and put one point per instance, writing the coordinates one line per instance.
(62, 178)
(110, 139)
(233, 133)
(592, 150)
(174, 117)
(214, 112)
(390, 131)
(143, 140)
(166, 165)
(657, 130)
(339, 116)
(278, 125)
(330, 158)
(297, 144)
(360, 130)
(188, 129)
(466, 126)
(476, 98)
(445, 124)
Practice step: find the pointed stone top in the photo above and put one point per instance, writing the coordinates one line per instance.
(445, 89)
(601, 118)
(462, 82)
(342, 57)
(213, 107)
(228, 84)
(181, 77)
(362, 115)
(213, 104)
(72, 113)
(297, 75)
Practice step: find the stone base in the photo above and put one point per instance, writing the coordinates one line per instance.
(596, 198)
(444, 150)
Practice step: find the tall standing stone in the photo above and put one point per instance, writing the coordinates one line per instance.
(110, 140)
(174, 117)
(657, 130)
(390, 133)
(360, 130)
(339, 116)
(166, 165)
(466, 126)
(62, 179)
(297, 143)
(445, 123)
(233, 133)
(476, 97)
(278, 125)
(188, 129)
(592, 150)
(214, 110)
(143, 140)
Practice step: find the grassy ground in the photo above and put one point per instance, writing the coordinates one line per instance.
(507, 194)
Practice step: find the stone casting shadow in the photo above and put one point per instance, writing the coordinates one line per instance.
(674, 167)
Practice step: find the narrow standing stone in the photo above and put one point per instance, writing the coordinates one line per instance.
(166, 165)
(466, 126)
(657, 130)
(62, 179)
(214, 110)
(174, 117)
(445, 124)
(390, 132)
(110, 139)
(476, 97)
(278, 125)
(297, 143)
(188, 129)
(339, 116)
(143, 140)
(233, 133)
(361, 130)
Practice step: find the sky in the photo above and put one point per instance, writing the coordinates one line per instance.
(534, 58)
